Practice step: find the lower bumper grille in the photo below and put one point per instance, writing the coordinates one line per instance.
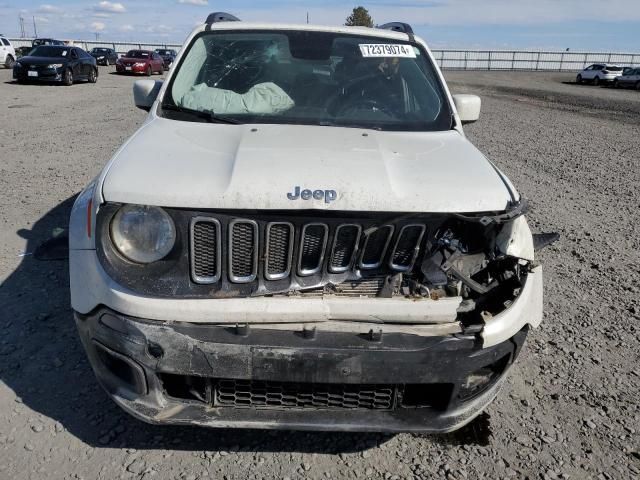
(256, 394)
(246, 393)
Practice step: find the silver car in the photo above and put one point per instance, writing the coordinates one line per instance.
(630, 78)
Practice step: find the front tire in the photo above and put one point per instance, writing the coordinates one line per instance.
(616, 84)
(596, 81)
(638, 86)
(9, 62)
(579, 80)
(93, 76)
(149, 71)
(67, 78)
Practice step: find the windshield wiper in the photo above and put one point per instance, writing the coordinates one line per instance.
(204, 115)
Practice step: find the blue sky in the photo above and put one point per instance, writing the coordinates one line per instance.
(607, 25)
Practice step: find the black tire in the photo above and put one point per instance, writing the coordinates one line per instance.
(579, 79)
(93, 76)
(67, 77)
(149, 71)
(637, 85)
(615, 83)
(9, 62)
(596, 81)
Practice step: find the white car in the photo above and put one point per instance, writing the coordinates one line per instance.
(599, 73)
(7, 53)
(300, 236)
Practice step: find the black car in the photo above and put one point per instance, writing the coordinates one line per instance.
(104, 56)
(56, 64)
(168, 56)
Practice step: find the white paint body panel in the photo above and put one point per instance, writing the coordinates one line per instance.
(200, 165)
(525, 310)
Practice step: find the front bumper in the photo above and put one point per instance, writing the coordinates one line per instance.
(44, 75)
(170, 372)
(134, 69)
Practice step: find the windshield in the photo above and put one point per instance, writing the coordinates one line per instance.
(164, 52)
(49, 51)
(137, 54)
(100, 50)
(315, 78)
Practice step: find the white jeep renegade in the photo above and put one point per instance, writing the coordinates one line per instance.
(300, 236)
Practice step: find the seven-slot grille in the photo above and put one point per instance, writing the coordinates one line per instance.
(302, 249)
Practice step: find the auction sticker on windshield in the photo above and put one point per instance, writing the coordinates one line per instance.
(387, 50)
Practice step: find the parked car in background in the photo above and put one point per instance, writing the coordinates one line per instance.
(46, 41)
(140, 61)
(23, 51)
(7, 53)
(168, 56)
(630, 78)
(49, 63)
(599, 73)
(104, 56)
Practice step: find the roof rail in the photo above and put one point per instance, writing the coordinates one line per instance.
(398, 27)
(221, 17)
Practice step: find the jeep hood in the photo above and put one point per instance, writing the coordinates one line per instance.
(200, 165)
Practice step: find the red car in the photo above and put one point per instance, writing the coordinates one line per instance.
(140, 61)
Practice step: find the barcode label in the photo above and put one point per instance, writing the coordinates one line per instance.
(387, 50)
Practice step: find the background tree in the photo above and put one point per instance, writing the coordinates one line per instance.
(359, 18)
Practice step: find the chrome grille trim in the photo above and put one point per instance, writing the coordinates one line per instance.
(344, 268)
(378, 263)
(267, 251)
(416, 248)
(194, 255)
(254, 259)
(303, 272)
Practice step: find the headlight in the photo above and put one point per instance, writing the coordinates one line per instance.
(143, 234)
(118, 61)
(18, 65)
(54, 65)
(101, 58)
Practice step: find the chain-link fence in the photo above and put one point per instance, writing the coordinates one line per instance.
(535, 60)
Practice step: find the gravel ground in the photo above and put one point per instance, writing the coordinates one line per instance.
(568, 410)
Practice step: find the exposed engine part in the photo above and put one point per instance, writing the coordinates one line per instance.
(513, 211)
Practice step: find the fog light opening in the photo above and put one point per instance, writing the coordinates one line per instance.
(482, 379)
(122, 368)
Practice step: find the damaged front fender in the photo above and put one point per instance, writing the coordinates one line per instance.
(515, 240)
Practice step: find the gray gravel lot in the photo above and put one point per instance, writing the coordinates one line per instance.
(569, 409)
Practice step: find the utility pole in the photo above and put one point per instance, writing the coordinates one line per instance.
(307, 17)
(35, 29)
(22, 32)
(97, 35)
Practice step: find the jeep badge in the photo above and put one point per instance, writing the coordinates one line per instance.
(328, 195)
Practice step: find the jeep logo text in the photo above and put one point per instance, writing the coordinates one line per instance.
(328, 195)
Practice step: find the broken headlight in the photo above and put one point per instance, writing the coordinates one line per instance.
(143, 234)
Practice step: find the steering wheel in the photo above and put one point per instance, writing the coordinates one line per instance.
(364, 104)
(350, 101)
